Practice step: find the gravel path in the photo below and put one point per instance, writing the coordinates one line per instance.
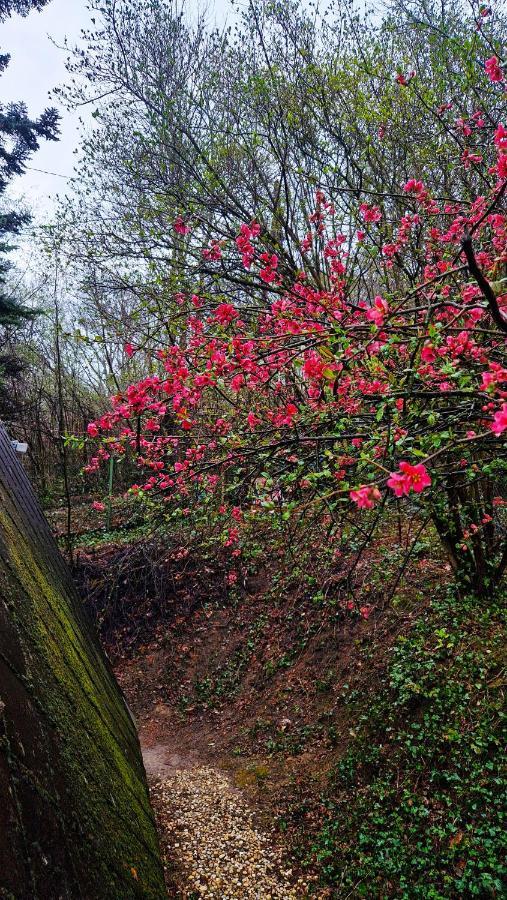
(208, 830)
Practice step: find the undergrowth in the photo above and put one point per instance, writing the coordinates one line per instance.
(415, 803)
(416, 807)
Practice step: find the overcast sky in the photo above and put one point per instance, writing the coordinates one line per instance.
(37, 66)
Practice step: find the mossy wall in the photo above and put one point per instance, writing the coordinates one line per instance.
(75, 818)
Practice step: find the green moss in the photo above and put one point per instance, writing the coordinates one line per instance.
(99, 758)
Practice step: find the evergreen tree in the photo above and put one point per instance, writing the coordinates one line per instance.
(19, 139)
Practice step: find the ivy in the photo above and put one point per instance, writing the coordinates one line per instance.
(417, 805)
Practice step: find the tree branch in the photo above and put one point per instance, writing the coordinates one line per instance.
(486, 289)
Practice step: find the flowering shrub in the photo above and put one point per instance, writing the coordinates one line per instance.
(342, 386)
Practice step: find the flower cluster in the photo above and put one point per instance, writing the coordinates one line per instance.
(358, 377)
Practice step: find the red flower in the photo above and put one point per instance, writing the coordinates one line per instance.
(212, 253)
(268, 273)
(409, 478)
(225, 313)
(313, 365)
(180, 227)
(370, 213)
(501, 167)
(244, 242)
(501, 138)
(493, 69)
(404, 79)
(428, 353)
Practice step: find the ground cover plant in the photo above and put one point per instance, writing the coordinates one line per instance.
(416, 804)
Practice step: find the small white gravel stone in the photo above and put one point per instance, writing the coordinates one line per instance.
(211, 835)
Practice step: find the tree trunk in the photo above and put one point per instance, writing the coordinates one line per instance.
(75, 818)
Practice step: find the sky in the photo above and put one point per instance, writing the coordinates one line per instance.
(38, 66)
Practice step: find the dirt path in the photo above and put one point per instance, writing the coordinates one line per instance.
(212, 844)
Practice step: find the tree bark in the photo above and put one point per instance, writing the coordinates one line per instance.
(75, 817)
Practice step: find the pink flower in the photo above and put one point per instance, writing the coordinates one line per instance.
(370, 213)
(409, 478)
(377, 312)
(313, 365)
(212, 253)
(92, 430)
(418, 476)
(267, 275)
(100, 507)
(180, 227)
(501, 166)
(500, 420)
(237, 382)
(366, 496)
(428, 353)
(271, 260)
(268, 272)
(501, 138)
(129, 350)
(252, 420)
(493, 69)
(417, 188)
(244, 243)
(225, 313)
(398, 484)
